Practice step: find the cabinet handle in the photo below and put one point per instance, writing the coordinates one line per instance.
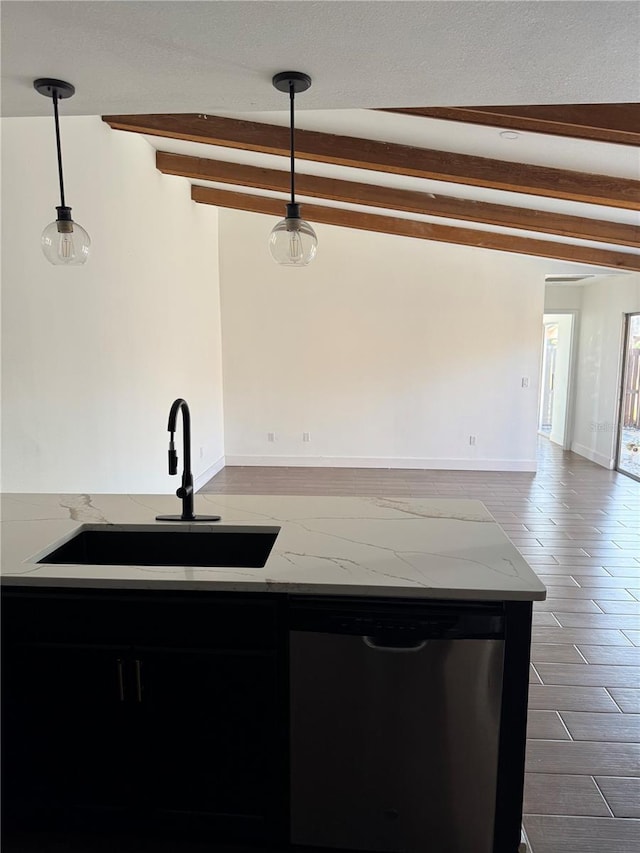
(120, 680)
(138, 680)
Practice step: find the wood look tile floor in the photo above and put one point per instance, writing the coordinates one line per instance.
(578, 525)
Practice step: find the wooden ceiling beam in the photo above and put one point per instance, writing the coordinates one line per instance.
(421, 230)
(354, 192)
(617, 123)
(389, 157)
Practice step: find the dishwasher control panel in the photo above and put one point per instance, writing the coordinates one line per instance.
(402, 619)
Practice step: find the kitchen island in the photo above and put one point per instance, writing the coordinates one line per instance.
(178, 697)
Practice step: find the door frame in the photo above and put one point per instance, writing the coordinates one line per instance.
(567, 438)
(622, 376)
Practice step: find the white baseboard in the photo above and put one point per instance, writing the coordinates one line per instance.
(593, 456)
(385, 462)
(211, 471)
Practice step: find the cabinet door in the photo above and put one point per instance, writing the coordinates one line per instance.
(64, 741)
(210, 734)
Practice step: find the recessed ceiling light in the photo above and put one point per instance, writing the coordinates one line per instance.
(509, 134)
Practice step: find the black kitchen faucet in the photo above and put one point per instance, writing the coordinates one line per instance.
(185, 492)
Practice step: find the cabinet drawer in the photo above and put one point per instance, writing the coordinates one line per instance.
(149, 618)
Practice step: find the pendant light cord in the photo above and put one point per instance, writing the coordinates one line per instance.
(292, 143)
(55, 113)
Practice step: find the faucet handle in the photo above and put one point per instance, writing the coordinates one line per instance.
(173, 458)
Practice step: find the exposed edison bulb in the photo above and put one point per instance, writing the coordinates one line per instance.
(293, 242)
(295, 247)
(64, 242)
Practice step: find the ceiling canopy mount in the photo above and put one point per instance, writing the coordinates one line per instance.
(285, 81)
(47, 86)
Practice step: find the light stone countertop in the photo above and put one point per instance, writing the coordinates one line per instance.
(444, 549)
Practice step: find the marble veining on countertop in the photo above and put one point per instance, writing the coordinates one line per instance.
(326, 545)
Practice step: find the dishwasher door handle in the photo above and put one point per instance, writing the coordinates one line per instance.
(372, 643)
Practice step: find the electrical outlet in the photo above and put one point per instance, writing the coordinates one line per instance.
(271, 436)
(525, 381)
(472, 440)
(202, 453)
(306, 436)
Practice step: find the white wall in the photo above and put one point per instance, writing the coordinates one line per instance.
(93, 356)
(563, 297)
(604, 303)
(389, 351)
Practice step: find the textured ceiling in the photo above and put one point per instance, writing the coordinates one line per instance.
(152, 57)
(133, 57)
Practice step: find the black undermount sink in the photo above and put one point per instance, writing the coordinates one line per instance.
(229, 545)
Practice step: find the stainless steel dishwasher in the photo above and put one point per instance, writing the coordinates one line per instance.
(395, 717)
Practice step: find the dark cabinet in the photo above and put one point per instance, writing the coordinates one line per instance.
(145, 710)
(64, 717)
(161, 720)
(207, 722)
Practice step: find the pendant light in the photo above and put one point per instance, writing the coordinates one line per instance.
(63, 242)
(293, 241)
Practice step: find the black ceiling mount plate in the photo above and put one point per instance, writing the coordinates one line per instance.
(301, 82)
(46, 85)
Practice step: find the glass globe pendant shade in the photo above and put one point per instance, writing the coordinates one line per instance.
(293, 242)
(64, 242)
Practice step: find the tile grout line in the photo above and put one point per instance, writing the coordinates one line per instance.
(610, 695)
(533, 667)
(606, 801)
(581, 655)
(566, 728)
